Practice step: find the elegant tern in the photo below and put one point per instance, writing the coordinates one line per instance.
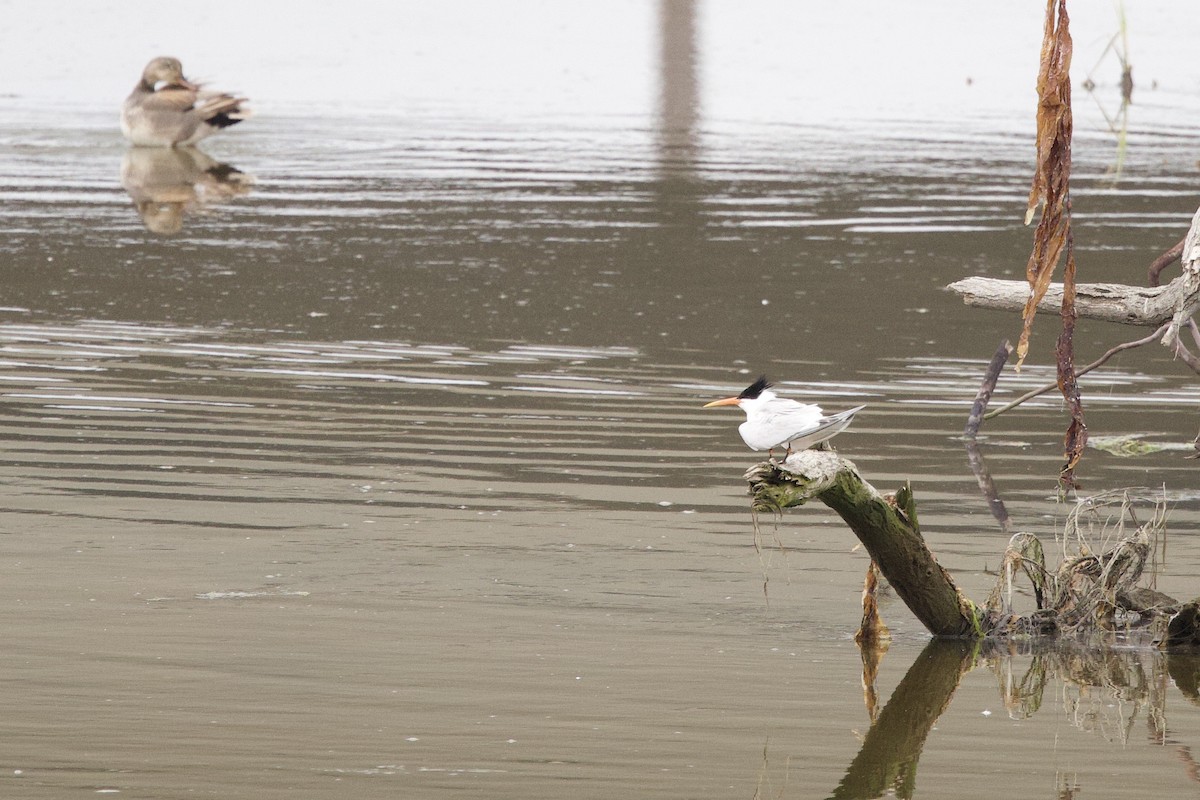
(773, 421)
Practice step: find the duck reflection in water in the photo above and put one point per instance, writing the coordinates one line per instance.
(166, 184)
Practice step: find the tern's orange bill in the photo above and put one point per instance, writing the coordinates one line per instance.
(728, 401)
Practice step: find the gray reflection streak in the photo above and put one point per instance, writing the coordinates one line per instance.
(678, 87)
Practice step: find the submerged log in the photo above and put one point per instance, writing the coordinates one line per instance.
(887, 527)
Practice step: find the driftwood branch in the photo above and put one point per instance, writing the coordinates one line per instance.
(984, 395)
(1168, 308)
(1143, 306)
(1032, 393)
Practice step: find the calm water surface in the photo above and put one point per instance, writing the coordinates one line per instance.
(377, 467)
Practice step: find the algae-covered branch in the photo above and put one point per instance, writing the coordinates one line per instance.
(1093, 592)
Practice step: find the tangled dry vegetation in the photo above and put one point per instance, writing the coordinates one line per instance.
(1097, 588)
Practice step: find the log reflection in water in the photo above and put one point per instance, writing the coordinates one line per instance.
(892, 747)
(1101, 691)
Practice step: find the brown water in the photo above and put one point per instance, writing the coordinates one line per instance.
(387, 476)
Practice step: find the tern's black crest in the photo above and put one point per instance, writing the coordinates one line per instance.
(755, 389)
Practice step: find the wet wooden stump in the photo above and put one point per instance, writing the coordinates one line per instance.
(1081, 598)
(887, 527)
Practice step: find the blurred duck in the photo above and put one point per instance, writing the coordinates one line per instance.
(165, 109)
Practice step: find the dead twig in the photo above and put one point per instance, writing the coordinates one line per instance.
(1162, 262)
(984, 396)
(1082, 371)
(1180, 351)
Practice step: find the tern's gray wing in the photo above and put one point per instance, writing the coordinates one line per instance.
(827, 428)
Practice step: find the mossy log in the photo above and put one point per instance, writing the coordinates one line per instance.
(887, 527)
(1081, 597)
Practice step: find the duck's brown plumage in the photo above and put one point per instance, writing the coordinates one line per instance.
(165, 109)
